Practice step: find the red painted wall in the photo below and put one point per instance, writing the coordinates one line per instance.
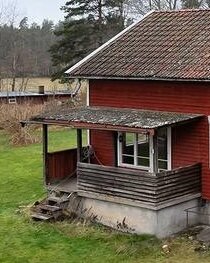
(190, 141)
(104, 147)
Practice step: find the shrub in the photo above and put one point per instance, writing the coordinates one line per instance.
(10, 118)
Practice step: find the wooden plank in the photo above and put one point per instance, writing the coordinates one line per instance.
(163, 184)
(115, 169)
(120, 194)
(99, 179)
(140, 184)
(125, 188)
(45, 151)
(79, 145)
(114, 185)
(140, 188)
(112, 173)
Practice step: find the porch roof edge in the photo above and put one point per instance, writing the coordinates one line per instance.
(110, 118)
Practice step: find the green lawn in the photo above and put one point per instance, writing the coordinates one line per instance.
(25, 241)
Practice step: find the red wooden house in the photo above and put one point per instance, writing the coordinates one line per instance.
(147, 162)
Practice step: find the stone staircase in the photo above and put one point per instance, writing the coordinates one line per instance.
(53, 207)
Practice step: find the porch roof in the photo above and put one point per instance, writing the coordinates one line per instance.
(112, 118)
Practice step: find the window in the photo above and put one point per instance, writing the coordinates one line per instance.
(162, 149)
(12, 101)
(136, 150)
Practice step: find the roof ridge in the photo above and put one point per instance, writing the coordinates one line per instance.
(183, 10)
(106, 44)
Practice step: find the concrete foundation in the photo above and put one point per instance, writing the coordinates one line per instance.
(164, 221)
(204, 213)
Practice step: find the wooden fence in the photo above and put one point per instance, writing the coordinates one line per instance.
(61, 165)
(138, 185)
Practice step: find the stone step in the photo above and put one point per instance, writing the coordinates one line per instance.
(41, 217)
(50, 208)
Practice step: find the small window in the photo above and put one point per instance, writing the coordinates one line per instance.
(143, 150)
(12, 101)
(134, 150)
(128, 142)
(162, 149)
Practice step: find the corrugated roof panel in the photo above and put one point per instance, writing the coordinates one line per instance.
(131, 118)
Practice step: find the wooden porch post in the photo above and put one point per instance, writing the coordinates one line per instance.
(45, 150)
(155, 153)
(79, 145)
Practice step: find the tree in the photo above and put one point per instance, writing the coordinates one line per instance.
(137, 8)
(190, 4)
(88, 24)
(8, 13)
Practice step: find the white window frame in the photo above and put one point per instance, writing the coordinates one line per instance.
(151, 150)
(120, 163)
(88, 104)
(12, 100)
(169, 141)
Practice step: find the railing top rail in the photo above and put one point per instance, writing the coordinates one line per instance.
(62, 151)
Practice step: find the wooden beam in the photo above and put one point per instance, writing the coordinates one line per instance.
(94, 126)
(115, 138)
(45, 151)
(79, 145)
(155, 154)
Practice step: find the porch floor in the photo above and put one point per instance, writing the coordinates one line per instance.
(67, 186)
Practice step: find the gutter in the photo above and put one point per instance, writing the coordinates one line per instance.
(136, 78)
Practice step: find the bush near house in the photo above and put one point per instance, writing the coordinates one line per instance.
(10, 118)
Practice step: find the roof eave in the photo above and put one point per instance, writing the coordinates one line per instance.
(93, 126)
(136, 78)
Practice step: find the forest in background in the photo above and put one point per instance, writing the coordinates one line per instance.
(32, 50)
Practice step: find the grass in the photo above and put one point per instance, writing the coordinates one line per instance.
(24, 241)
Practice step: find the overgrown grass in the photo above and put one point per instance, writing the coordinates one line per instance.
(24, 241)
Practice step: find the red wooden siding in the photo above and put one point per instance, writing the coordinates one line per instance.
(190, 142)
(103, 144)
(61, 164)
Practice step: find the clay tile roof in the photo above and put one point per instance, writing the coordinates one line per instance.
(163, 45)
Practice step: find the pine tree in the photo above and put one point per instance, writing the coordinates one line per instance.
(191, 4)
(88, 24)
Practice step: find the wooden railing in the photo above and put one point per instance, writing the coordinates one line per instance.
(138, 185)
(61, 165)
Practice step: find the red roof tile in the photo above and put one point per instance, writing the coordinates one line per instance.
(163, 45)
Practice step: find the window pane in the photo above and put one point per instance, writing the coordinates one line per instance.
(143, 150)
(128, 143)
(143, 161)
(162, 149)
(162, 165)
(162, 144)
(128, 159)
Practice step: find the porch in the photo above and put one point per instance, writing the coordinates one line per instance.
(131, 176)
(120, 184)
(141, 170)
